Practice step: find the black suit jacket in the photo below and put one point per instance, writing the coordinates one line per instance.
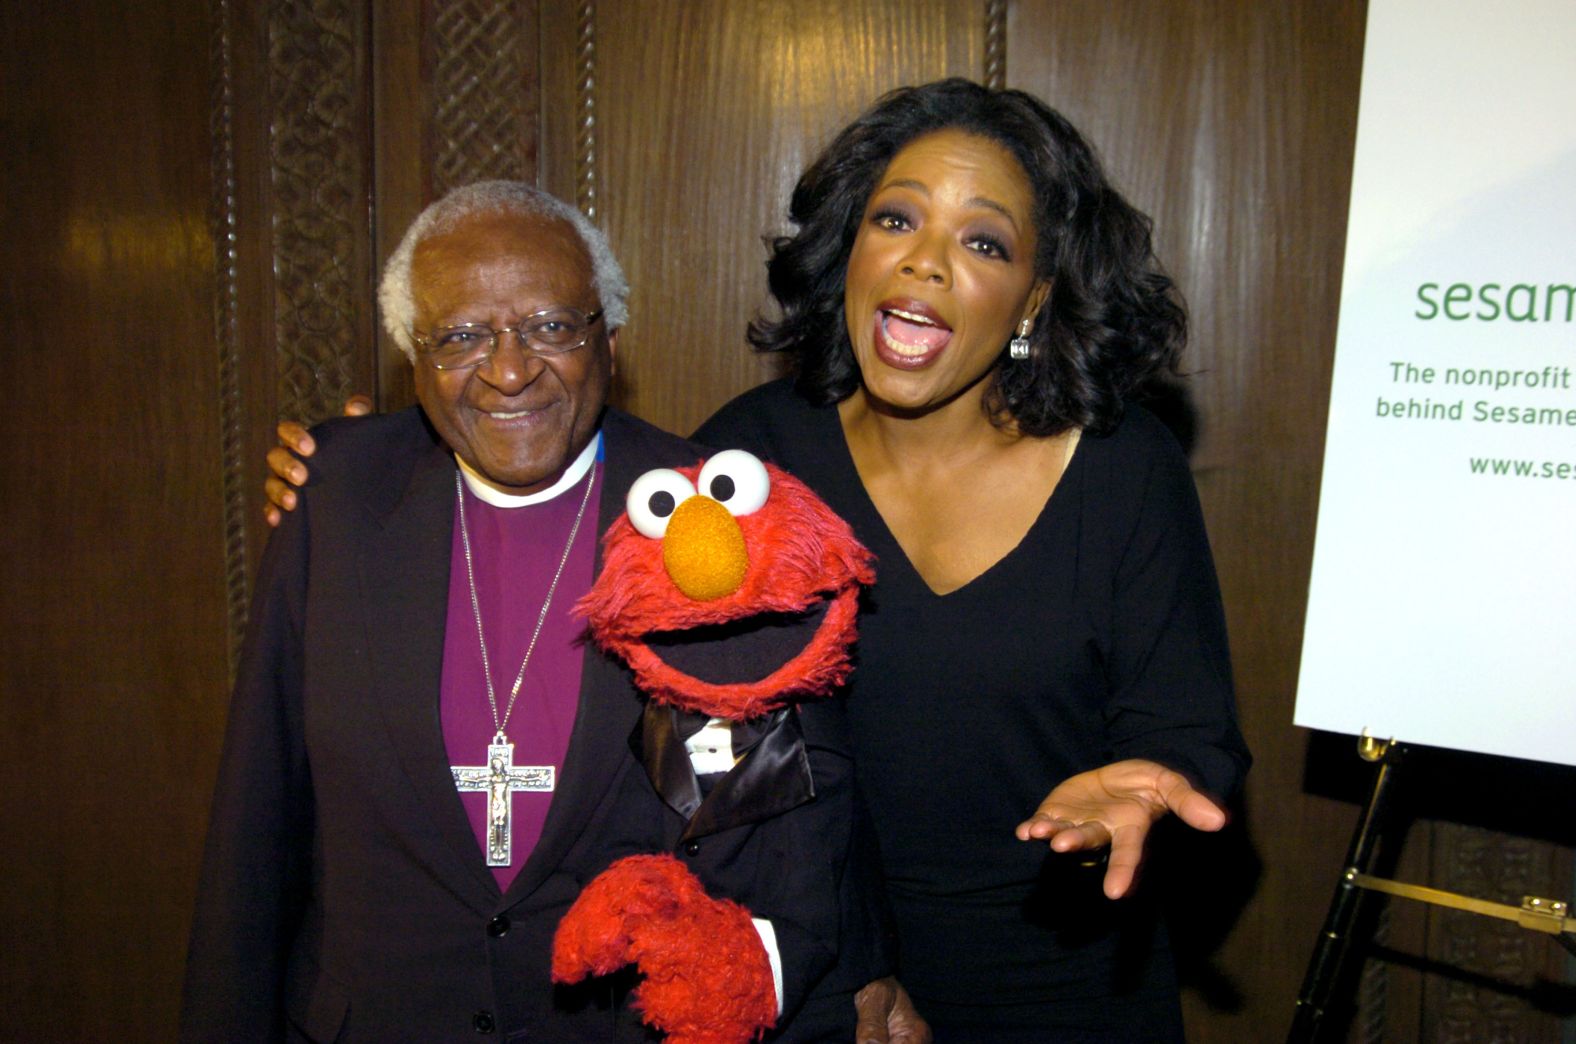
(343, 895)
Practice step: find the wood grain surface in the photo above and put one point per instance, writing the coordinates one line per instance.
(113, 647)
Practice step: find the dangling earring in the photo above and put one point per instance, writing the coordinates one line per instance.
(1018, 347)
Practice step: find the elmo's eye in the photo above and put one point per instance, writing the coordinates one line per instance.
(736, 480)
(653, 497)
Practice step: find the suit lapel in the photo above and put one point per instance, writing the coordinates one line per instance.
(608, 707)
(405, 573)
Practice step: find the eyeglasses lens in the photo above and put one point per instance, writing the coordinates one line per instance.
(549, 332)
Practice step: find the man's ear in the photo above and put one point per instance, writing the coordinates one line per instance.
(612, 352)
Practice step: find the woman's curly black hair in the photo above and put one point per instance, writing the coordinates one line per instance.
(1113, 321)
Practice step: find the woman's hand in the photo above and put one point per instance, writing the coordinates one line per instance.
(284, 461)
(1115, 805)
(887, 1016)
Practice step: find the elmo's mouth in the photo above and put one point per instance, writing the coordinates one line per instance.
(743, 650)
(744, 668)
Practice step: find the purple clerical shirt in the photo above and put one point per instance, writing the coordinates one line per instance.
(515, 552)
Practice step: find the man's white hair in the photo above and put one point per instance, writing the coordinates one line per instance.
(397, 302)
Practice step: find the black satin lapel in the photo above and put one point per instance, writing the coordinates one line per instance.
(405, 573)
(661, 750)
(771, 779)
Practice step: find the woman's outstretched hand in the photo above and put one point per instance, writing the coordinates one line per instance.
(1115, 805)
(285, 461)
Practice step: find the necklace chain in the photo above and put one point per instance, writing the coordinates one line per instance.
(476, 607)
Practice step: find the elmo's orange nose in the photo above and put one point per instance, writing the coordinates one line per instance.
(704, 551)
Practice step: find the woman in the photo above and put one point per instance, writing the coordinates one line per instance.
(969, 307)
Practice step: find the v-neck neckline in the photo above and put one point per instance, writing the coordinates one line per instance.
(867, 504)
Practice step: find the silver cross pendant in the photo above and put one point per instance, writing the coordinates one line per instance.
(500, 778)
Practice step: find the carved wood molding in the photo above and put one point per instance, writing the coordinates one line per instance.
(226, 323)
(318, 160)
(585, 124)
(1502, 867)
(1373, 989)
(996, 44)
(485, 104)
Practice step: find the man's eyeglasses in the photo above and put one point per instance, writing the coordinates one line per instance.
(552, 331)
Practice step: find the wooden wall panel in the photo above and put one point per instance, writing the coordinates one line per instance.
(320, 152)
(113, 648)
(291, 112)
(401, 144)
(706, 112)
(483, 55)
(1487, 979)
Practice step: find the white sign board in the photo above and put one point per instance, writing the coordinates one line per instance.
(1442, 609)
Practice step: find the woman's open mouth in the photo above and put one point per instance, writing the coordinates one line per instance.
(909, 337)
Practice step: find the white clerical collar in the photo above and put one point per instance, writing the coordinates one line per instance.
(488, 494)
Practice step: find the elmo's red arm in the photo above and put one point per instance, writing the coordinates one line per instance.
(707, 977)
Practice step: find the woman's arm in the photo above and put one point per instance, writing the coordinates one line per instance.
(1115, 805)
(286, 470)
(1170, 713)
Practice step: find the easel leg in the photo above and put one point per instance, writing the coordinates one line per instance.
(1329, 956)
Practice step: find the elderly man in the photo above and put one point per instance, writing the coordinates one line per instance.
(367, 876)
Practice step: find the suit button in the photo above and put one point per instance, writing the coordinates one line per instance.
(692, 848)
(483, 1022)
(498, 926)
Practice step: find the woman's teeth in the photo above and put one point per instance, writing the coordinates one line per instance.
(912, 335)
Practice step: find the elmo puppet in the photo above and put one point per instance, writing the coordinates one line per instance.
(737, 555)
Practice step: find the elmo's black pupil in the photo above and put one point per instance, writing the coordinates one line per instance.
(721, 487)
(661, 503)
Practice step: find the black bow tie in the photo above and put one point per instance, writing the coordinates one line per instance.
(770, 774)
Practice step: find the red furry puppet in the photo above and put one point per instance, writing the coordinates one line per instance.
(704, 551)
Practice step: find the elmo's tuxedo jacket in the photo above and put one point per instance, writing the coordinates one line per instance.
(343, 894)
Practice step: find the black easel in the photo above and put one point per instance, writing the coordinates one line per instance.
(1335, 938)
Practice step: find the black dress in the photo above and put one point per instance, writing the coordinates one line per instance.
(1099, 637)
